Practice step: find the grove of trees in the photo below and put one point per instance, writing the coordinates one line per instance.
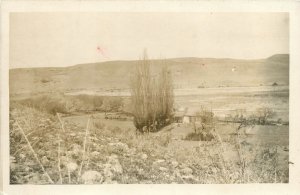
(152, 98)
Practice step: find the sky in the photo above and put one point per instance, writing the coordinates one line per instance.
(65, 39)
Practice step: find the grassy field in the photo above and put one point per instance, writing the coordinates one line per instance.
(227, 101)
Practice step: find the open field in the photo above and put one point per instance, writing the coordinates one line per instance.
(110, 151)
(224, 100)
(227, 101)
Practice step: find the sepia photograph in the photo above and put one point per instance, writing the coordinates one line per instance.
(148, 98)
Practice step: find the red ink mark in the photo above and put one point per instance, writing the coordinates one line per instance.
(102, 51)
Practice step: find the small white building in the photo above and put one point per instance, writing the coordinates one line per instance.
(186, 117)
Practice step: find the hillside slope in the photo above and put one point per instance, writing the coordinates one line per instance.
(187, 73)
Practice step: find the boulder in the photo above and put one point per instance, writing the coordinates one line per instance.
(91, 177)
(187, 171)
(112, 168)
(174, 164)
(163, 169)
(144, 156)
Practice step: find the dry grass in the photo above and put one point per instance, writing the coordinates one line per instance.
(144, 158)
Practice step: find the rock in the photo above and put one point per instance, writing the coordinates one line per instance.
(171, 177)
(163, 169)
(140, 171)
(187, 171)
(76, 148)
(27, 169)
(64, 160)
(144, 156)
(12, 159)
(177, 173)
(95, 154)
(110, 182)
(72, 166)
(44, 160)
(245, 143)
(132, 151)
(159, 161)
(146, 182)
(107, 171)
(120, 146)
(22, 156)
(115, 164)
(187, 176)
(90, 177)
(112, 167)
(174, 163)
(214, 170)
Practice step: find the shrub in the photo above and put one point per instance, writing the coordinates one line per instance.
(45, 80)
(204, 132)
(49, 104)
(264, 114)
(88, 102)
(206, 119)
(164, 139)
(112, 104)
(200, 136)
(99, 125)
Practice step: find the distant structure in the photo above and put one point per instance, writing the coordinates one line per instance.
(233, 69)
(185, 116)
(178, 117)
(274, 84)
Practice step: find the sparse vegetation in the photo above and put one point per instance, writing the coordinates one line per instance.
(204, 128)
(264, 114)
(58, 103)
(261, 116)
(49, 104)
(117, 155)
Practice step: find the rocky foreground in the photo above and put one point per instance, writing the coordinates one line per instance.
(45, 149)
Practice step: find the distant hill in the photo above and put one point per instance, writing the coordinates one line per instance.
(187, 73)
(283, 58)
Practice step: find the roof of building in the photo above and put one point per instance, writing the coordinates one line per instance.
(179, 114)
(191, 112)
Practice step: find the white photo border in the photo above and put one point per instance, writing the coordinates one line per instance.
(292, 7)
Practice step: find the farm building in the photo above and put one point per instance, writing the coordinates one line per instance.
(178, 117)
(186, 116)
(190, 117)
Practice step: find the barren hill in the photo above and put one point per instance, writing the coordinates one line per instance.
(187, 73)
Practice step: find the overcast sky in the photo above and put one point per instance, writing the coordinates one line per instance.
(64, 39)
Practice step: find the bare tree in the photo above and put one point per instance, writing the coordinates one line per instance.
(165, 96)
(140, 93)
(152, 99)
(264, 114)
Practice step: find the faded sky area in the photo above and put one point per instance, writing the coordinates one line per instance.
(65, 39)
